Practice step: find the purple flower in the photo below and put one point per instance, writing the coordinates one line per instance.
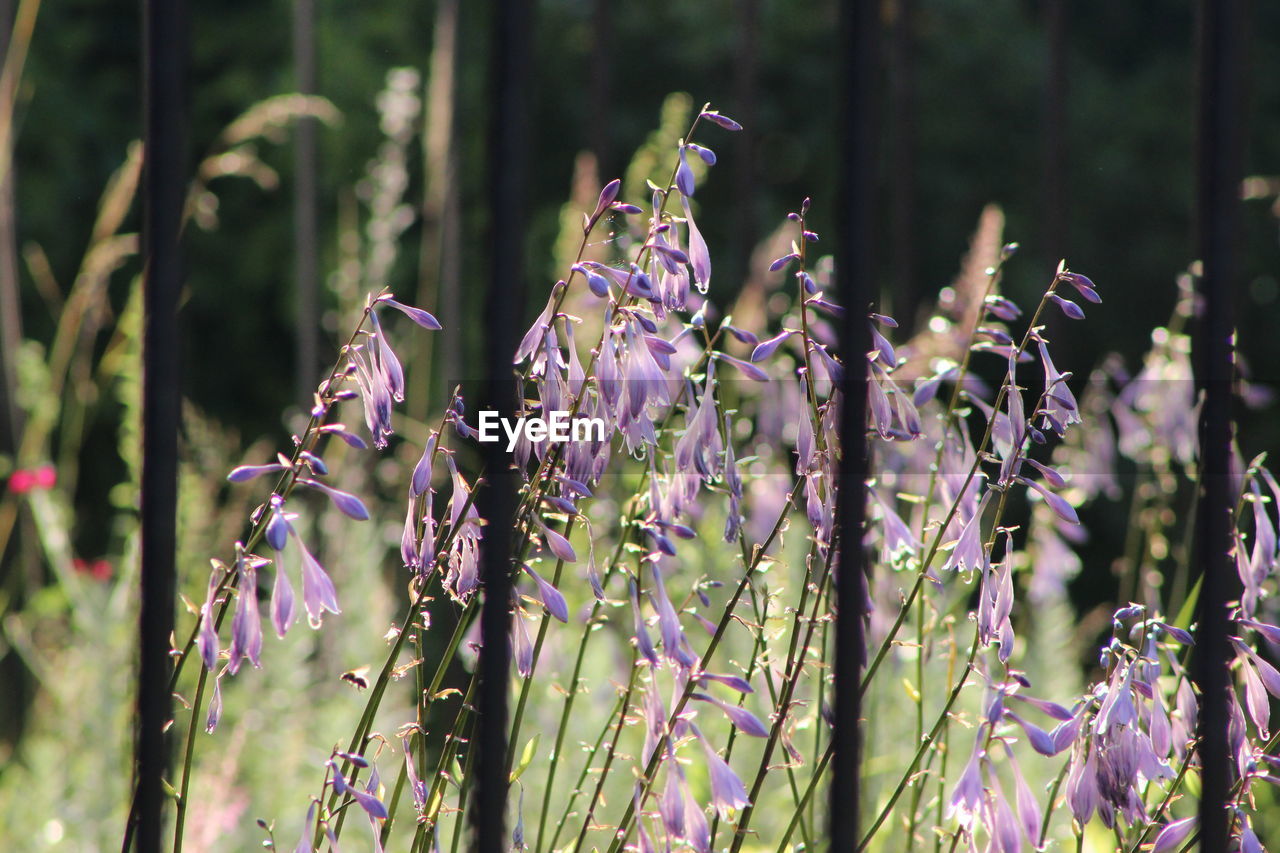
(207, 638)
(643, 642)
(523, 653)
(607, 196)
(318, 594)
(767, 348)
(421, 479)
(549, 596)
(684, 175)
(348, 504)
(699, 257)
(720, 120)
(727, 791)
(386, 362)
(966, 799)
(1072, 310)
(212, 719)
(969, 553)
(1173, 835)
(282, 614)
(746, 722)
(246, 625)
(245, 473)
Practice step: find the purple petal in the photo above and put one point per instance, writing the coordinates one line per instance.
(781, 262)
(421, 479)
(699, 256)
(748, 370)
(708, 156)
(351, 439)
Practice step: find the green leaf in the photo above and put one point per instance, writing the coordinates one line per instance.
(526, 757)
(1188, 610)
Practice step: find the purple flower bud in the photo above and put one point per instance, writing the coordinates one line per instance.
(340, 431)
(733, 682)
(884, 320)
(624, 207)
(781, 262)
(684, 176)
(559, 545)
(523, 655)
(207, 639)
(417, 315)
(883, 350)
(245, 473)
(1052, 477)
(421, 479)
(348, 504)
(277, 531)
(607, 196)
(1173, 835)
(807, 282)
(643, 643)
(1040, 740)
(834, 368)
(1003, 308)
(748, 370)
(745, 721)
(767, 348)
(550, 596)
(719, 120)
(1072, 310)
(215, 707)
(1057, 503)
(708, 156)
(823, 305)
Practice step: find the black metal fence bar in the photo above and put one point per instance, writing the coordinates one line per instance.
(163, 185)
(855, 270)
(1220, 116)
(507, 159)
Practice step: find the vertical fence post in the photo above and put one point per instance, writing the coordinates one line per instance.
(855, 272)
(163, 187)
(1055, 132)
(1219, 152)
(902, 169)
(306, 266)
(506, 167)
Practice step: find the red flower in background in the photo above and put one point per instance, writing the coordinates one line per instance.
(30, 479)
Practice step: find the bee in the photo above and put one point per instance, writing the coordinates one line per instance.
(357, 676)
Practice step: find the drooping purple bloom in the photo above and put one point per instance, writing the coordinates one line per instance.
(318, 594)
(212, 719)
(727, 791)
(745, 721)
(246, 625)
(421, 478)
(684, 175)
(767, 348)
(245, 473)
(699, 256)
(966, 800)
(207, 638)
(643, 642)
(720, 120)
(417, 315)
(1174, 835)
(348, 504)
(1069, 308)
(387, 362)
